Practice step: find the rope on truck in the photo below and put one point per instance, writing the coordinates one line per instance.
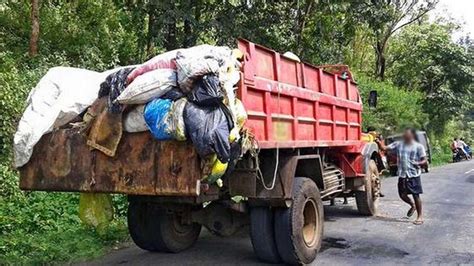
(277, 155)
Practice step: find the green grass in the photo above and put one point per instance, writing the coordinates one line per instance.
(41, 227)
(441, 158)
(71, 243)
(44, 227)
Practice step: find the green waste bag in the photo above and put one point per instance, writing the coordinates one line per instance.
(95, 209)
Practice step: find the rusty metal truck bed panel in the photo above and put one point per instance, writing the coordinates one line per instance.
(62, 161)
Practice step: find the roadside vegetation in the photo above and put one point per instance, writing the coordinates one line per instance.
(423, 78)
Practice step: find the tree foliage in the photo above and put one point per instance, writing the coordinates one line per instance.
(384, 18)
(397, 108)
(424, 58)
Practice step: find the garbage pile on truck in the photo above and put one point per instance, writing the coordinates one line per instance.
(182, 95)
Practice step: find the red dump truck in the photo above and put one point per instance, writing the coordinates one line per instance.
(307, 122)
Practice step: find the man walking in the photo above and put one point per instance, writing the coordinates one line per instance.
(411, 156)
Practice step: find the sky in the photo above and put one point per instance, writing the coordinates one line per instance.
(461, 10)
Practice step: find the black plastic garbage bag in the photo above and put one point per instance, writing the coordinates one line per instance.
(173, 94)
(208, 128)
(113, 85)
(206, 91)
(235, 152)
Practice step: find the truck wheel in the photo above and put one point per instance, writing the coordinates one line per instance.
(262, 234)
(367, 200)
(155, 229)
(299, 229)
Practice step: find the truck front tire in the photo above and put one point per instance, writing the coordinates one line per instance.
(299, 229)
(156, 229)
(367, 200)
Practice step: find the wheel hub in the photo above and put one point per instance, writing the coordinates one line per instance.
(310, 220)
(375, 181)
(180, 228)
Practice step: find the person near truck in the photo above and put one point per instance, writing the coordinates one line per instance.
(411, 156)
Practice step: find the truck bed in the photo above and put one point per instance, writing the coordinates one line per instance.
(62, 161)
(293, 105)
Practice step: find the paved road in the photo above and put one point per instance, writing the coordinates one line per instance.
(447, 237)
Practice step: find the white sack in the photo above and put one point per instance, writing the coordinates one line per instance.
(148, 86)
(134, 120)
(194, 62)
(60, 95)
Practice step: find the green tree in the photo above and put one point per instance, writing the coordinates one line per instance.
(397, 108)
(384, 18)
(424, 58)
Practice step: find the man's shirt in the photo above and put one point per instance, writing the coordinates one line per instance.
(454, 145)
(407, 156)
(462, 144)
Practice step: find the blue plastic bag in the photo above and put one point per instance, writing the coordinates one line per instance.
(155, 115)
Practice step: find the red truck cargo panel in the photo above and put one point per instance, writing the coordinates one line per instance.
(292, 104)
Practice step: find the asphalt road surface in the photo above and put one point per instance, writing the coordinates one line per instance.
(446, 237)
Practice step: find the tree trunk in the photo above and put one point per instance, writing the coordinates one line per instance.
(139, 12)
(301, 24)
(190, 31)
(170, 36)
(152, 28)
(35, 28)
(188, 27)
(380, 60)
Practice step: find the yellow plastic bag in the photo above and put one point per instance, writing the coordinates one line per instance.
(217, 170)
(95, 209)
(241, 117)
(241, 113)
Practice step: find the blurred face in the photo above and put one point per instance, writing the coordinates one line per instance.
(408, 136)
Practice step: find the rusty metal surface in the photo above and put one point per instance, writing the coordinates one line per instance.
(242, 182)
(62, 161)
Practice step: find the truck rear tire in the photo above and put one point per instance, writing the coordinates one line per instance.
(299, 229)
(156, 229)
(367, 200)
(262, 234)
